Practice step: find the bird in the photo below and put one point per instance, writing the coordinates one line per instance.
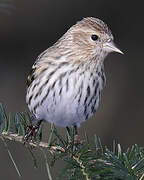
(65, 84)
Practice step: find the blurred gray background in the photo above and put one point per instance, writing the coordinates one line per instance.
(29, 27)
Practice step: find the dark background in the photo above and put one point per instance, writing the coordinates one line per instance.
(29, 27)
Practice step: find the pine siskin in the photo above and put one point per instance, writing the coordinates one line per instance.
(65, 84)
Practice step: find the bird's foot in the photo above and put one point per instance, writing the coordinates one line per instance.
(76, 139)
(75, 142)
(31, 132)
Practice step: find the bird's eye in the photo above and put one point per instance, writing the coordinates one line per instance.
(94, 37)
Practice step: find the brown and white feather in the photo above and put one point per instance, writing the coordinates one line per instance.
(66, 80)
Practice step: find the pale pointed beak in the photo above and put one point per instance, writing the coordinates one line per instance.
(111, 47)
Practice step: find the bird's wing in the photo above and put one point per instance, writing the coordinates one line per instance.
(30, 77)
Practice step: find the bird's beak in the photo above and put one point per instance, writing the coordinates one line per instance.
(111, 47)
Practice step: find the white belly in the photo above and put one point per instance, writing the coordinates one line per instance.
(68, 104)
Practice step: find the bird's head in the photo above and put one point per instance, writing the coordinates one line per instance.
(90, 38)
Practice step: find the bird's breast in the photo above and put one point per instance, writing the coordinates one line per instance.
(65, 96)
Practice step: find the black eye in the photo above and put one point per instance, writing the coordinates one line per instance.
(94, 37)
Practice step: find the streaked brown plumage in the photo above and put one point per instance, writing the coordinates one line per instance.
(65, 83)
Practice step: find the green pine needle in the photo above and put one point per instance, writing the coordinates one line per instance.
(88, 160)
(11, 158)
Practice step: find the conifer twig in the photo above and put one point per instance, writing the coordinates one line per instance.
(141, 178)
(18, 138)
(82, 167)
(87, 160)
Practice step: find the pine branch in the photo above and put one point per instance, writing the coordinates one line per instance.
(82, 166)
(87, 160)
(142, 177)
(18, 138)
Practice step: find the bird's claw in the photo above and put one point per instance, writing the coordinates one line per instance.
(31, 133)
